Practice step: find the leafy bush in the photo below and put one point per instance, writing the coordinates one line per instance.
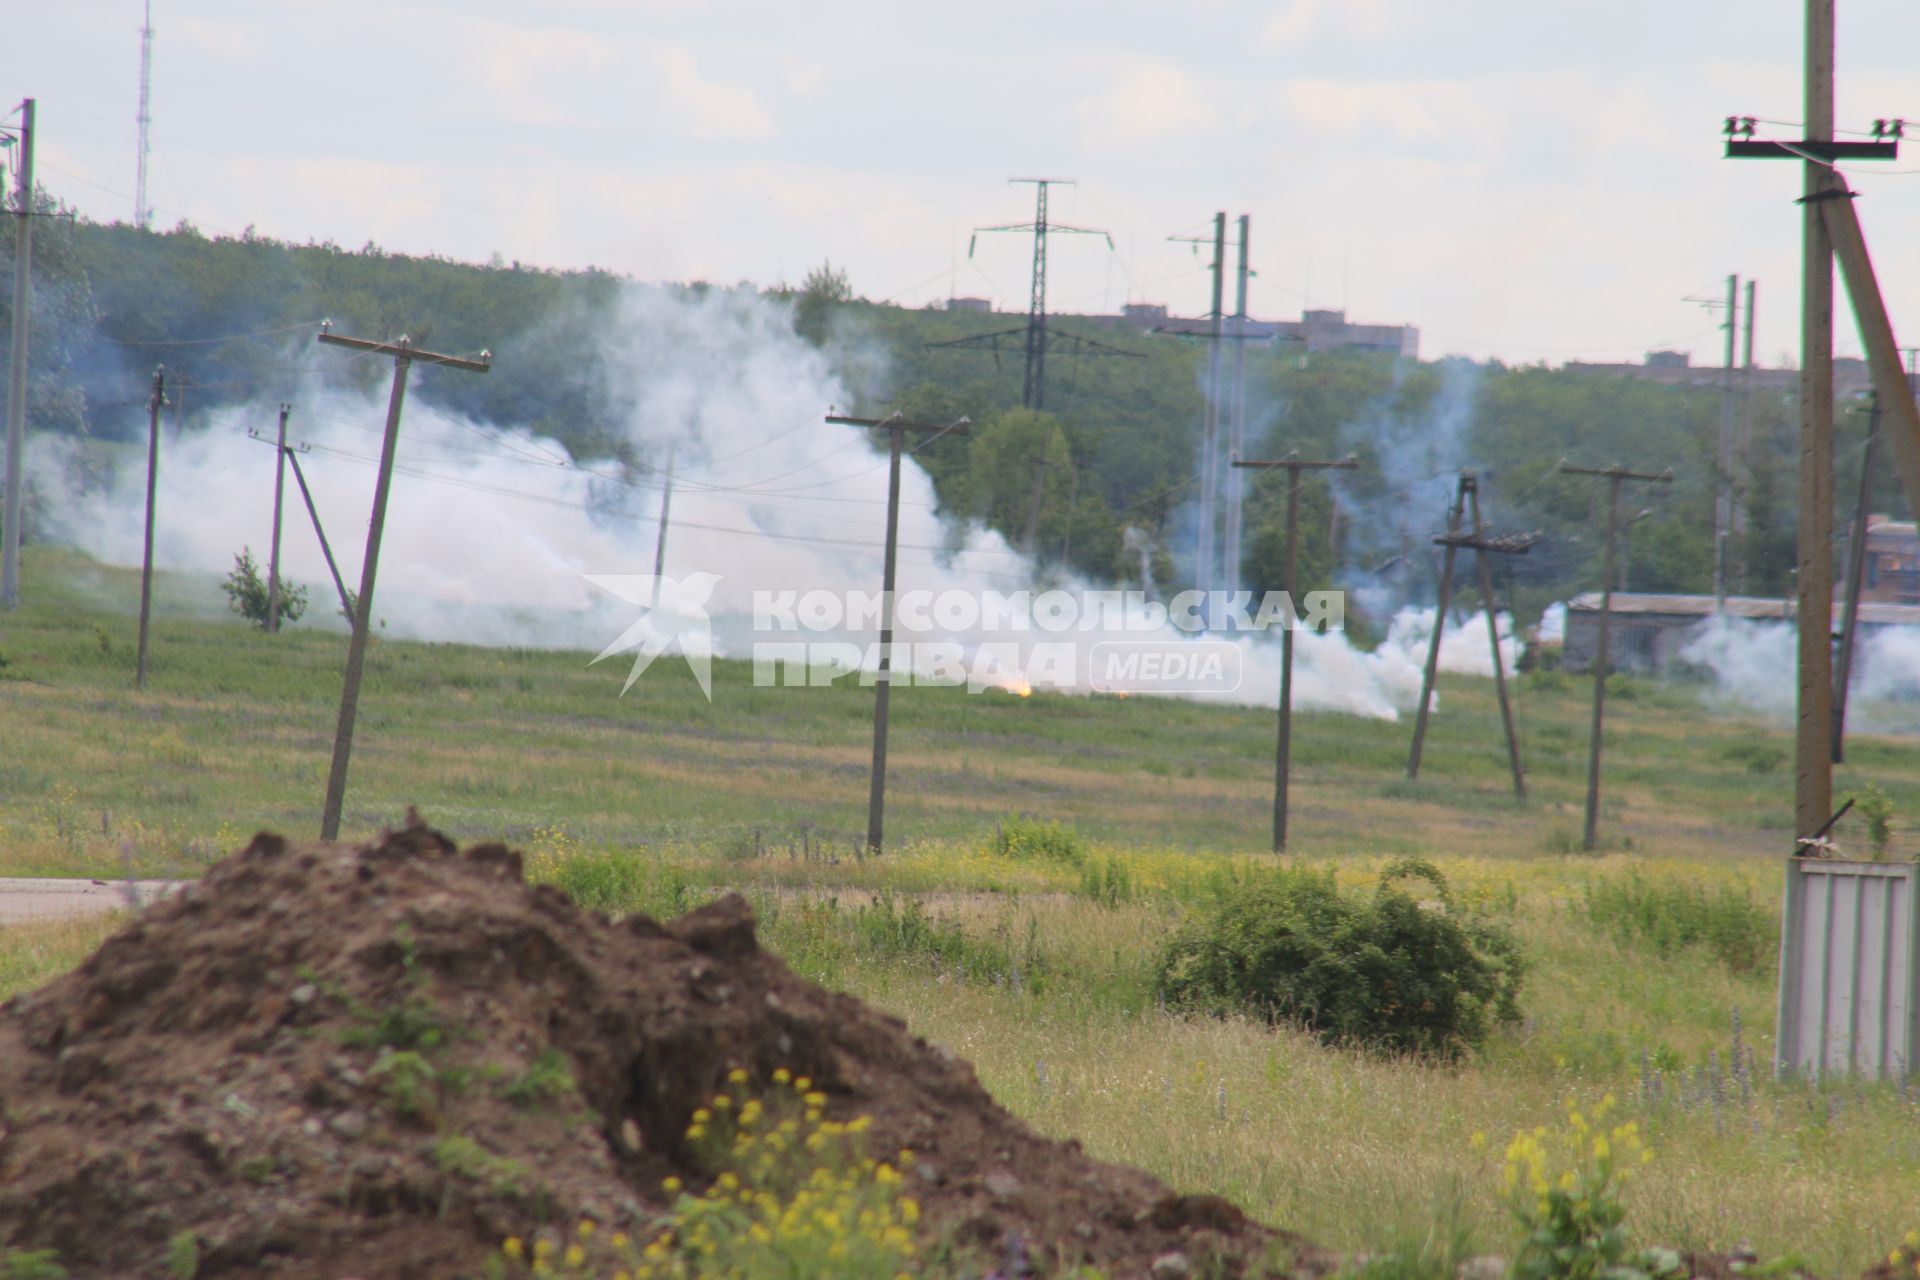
(1667, 918)
(247, 593)
(1036, 838)
(1381, 970)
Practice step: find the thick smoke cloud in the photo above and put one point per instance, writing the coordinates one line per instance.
(492, 530)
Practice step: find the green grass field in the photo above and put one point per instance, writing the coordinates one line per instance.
(1044, 980)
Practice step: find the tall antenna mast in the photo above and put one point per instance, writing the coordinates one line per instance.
(142, 211)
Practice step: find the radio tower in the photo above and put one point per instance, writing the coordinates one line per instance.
(142, 211)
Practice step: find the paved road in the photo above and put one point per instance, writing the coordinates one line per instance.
(22, 899)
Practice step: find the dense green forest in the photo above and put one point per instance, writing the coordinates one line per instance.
(1111, 461)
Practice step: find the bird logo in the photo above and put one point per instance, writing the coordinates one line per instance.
(674, 610)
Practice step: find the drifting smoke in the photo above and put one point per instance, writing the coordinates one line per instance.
(492, 530)
(1747, 660)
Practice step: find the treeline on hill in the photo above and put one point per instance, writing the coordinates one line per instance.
(1112, 457)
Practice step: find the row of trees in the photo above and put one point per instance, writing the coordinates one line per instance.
(1100, 484)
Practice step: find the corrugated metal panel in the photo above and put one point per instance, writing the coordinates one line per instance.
(1849, 969)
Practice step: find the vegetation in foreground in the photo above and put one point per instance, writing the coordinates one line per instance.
(1030, 947)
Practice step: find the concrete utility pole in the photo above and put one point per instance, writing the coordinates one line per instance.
(1614, 476)
(1467, 494)
(1283, 747)
(154, 402)
(273, 552)
(1237, 427)
(1029, 541)
(17, 378)
(1204, 572)
(895, 427)
(1856, 570)
(1723, 453)
(404, 354)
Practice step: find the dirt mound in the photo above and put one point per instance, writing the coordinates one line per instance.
(328, 1061)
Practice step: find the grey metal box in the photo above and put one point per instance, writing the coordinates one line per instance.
(1849, 969)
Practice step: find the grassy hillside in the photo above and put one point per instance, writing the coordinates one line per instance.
(1041, 970)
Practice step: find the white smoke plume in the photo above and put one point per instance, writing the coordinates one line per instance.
(491, 530)
(1751, 664)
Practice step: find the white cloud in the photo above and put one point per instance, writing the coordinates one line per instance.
(1297, 21)
(1149, 100)
(706, 108)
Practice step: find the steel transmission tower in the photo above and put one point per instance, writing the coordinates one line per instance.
(1033, 390)
(142, 211)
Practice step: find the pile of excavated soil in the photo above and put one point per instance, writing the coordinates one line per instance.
(217, 1068)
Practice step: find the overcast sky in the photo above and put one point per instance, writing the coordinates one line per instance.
(1520, 178)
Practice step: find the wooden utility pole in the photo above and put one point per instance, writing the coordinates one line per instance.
(154, 402)
(660, 543)
(1283, 747)
(1614, 476)
(1444, 598)
(1856, 570)
(895, 427)
(13, 517)
(273, 552)
(404, 354)
(1467, 494)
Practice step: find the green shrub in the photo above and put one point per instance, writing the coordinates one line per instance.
(1381, 970)
(1666, 918)
(247, 593)
(1036, 838)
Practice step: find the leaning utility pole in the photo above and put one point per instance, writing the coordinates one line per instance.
(1444, 597)
(660, 543)
(1467, 494)
(1614, 476)
(895, 427)
(404, 354)
(154, 401)
(1856, 570)
(1237, 423)
(17, 375)
(273, 552)
(1283, 747)
(1036, 338)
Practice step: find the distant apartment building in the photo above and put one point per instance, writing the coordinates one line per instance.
(1891, 574)
(982, 305)
(1676, 369)
(1316, 331)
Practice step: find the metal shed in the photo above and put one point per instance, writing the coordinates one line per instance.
(1849, 969)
